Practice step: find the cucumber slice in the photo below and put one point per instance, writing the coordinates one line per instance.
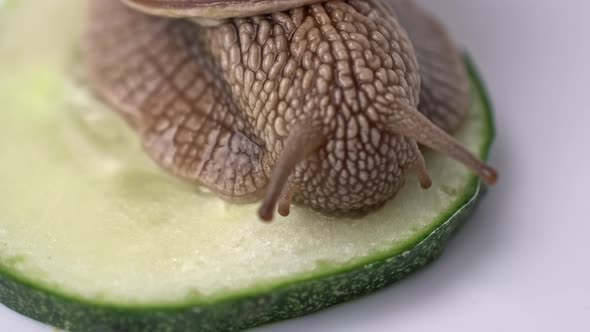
(94, 237)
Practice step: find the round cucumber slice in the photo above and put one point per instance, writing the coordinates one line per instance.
(94, 237)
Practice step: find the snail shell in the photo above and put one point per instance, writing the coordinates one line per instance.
(215, 9)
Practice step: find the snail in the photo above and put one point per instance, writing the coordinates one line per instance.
(323, 103)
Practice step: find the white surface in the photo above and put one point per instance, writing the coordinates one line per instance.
(521, 263)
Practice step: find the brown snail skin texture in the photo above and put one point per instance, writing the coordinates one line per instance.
(322, 103)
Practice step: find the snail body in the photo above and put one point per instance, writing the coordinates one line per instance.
(320, 102)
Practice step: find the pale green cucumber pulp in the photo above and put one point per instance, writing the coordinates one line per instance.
(95, 237)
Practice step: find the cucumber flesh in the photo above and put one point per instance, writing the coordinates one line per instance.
(89, 223)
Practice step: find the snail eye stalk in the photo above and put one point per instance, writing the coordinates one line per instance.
(408, 121)
(303, 140)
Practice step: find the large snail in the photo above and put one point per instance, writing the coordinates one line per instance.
(320, 102)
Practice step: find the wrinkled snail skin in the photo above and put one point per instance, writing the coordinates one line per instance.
(324, 103)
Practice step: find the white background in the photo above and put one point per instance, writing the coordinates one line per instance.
(522, 263)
